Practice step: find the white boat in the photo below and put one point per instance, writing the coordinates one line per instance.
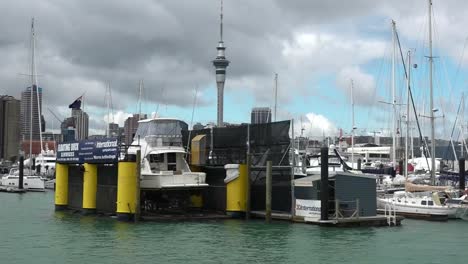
(426, 205)
(45, 164)
(315, 163)
(30, 182)
(163, 164)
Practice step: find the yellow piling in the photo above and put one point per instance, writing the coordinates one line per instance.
(61, 186)
(89, 188)
(126, 190)
(236, 193)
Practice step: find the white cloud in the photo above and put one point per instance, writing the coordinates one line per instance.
(315, 125)
(364, 90)
(119, 117)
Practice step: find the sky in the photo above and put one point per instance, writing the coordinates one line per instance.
(315, 47)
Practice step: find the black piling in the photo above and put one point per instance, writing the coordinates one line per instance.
(402, 169)
(324, 184)
(461, 165)
(359, 161)
(21, 173)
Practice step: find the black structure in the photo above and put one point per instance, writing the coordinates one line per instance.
(324, 184)
(21, 172)
(462, 174)
(228, 145)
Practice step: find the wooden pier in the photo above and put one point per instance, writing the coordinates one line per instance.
(375, 221)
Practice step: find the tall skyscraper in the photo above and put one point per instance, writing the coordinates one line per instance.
(260, 115)
(25, 113)
(220, 64)
(9, 127)
(130, 127)
(113, 130)
(81, 120)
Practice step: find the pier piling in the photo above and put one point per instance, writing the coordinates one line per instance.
(61, 186)
(359, 161)
(126, 190)
(247, 189)
(268, 192)
(324, 183)
(461, 165)
(21, 173)
(89, 188)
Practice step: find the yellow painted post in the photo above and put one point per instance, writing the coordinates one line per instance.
(126, 190)
(236, 193)
(89, 188)
(61, 186)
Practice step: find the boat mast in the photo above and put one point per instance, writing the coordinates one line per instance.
(431, 97)
(276, 93)
(34, 73)
(352, 129)
(462, 121)
(33, 82)
(139, 99)
(393, 96)
(407, 114)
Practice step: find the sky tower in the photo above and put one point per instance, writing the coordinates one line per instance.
(220, 63)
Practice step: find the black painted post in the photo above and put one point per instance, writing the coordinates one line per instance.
(461, 176)
(21, 172)
(359, 161)
(324, 184)
(402, 169)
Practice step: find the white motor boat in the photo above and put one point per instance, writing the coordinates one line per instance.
(425, 205)
(163, 164)
(30, 182)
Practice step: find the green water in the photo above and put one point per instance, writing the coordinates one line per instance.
(31, 232)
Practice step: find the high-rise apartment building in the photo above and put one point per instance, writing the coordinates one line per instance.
(260, 115)
(31, 98)
(130, 127)
(9, 127)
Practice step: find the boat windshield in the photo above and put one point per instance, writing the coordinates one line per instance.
(161, 128)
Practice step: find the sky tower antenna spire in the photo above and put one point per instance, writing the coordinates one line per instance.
(220, 63)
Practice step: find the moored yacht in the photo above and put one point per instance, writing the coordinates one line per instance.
(424, 205)
(30, 181)
(163, 164)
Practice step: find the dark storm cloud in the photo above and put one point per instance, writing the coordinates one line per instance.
(82, 45)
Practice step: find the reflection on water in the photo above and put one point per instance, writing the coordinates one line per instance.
(44, 236)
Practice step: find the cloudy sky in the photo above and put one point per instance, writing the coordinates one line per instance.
(316, 47)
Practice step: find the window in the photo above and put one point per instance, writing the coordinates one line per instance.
(171, 158)
(423, 203)
(430, 202)
(156, 158)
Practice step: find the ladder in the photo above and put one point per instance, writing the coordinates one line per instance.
(390, 213)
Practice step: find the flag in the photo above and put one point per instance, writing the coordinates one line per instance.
(76, 104)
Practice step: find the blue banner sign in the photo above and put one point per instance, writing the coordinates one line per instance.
(88, 151)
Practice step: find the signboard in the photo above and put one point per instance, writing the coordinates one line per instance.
(89, 151)
(309, 209)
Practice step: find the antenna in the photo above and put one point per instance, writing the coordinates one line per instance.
(221, 22)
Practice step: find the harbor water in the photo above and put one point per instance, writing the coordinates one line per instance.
(32, 232)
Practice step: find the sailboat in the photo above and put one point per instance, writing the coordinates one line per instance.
(422, 201)
(31, 181)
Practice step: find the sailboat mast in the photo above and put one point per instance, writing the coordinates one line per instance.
(276, 93)
(462, 125)
(352, 129)
(139, 99)
(407, 113)
(33, 81)
(431, 97)
(393, 95)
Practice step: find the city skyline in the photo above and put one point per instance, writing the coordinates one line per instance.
(315, 57)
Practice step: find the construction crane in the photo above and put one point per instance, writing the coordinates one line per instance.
(56, 117)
